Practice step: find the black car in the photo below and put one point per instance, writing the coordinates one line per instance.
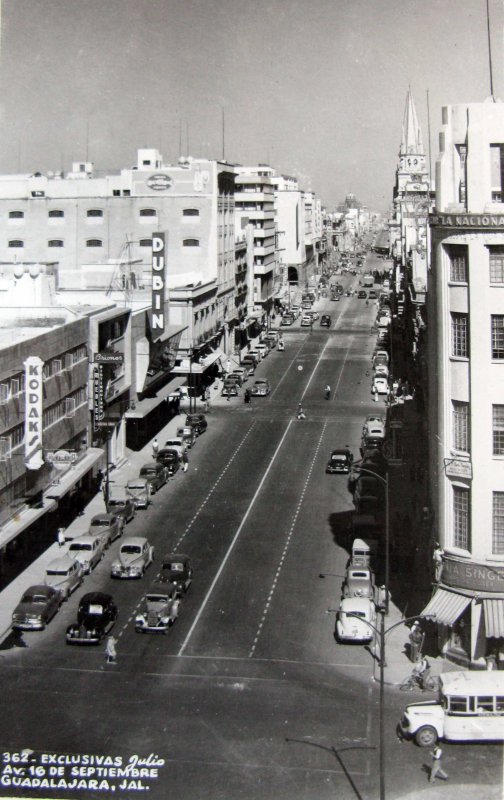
(340, 461)
(197, 422)
(169, 458)
(362, 295)
(95, 618)
(122, 507)
(325, 321)
(176, 569)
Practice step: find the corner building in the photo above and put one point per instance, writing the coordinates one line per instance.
(466, 382)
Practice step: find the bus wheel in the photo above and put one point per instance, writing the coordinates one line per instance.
(426, 736)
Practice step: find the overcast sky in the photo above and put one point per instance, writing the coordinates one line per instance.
(316, 88)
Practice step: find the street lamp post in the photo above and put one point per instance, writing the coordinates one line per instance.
(190, 380)
(387, 529)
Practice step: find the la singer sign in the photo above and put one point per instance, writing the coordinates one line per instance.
(33, 412)
(158, 283)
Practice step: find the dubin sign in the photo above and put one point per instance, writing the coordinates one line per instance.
(158, 283)
(33, 412)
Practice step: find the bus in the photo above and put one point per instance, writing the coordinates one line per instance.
(470, 708)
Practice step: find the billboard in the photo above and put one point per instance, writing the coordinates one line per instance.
(33, 412)
(158, 283)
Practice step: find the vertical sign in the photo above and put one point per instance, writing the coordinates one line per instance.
(158, 283)
(98, 406)
(33, 412)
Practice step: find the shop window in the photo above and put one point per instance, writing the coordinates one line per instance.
(461, 520)
(497, 337)
(460, 420)
(498, 523)
(496, 262)
(460, 335)
(457, 255)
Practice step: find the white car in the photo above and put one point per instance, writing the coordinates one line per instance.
(263, 348)
(381, 369)
(381, 354)
(135, 555)
(356, 620)
(64, 574)
(258, 355)
(87, 550)
(176, 443)
(306, 321)
(380, 385)
(374, 430)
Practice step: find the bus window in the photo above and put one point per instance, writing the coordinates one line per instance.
(458, 705)
(485, 703)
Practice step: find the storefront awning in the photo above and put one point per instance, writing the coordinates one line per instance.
(23, 520)
(74, 474)
(494, 618)
(446, 607)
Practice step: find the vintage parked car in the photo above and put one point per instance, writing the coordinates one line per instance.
(355, 620)
(170, 459)
(138, 489)
(248, 365)
(306, 321)
(359, 582)
(263, 348)
(198, 422)
(108, 526)
(177, 443)
(381, 370)
(261, 388)
(122, 507)
(187, 434)
(37, 607)
(87, 550)
(159, 609)
(325, 321)
(156, 475)
(238, 375)
(374, 430)
(287, 320)
(380, 385)
(230, 387)
(96, 617)
(176, 568)
(64, 574)
(340, 461)
(135, 555)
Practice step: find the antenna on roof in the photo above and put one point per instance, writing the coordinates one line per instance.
(489, 51)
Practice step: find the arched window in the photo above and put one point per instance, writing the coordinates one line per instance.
(55, 243)
(94, 212)
(145, 243)
(94, 243)
(16, 214)
(190, 212)
(16, 243)
(56, 212)
(191, 243)
(148, 212)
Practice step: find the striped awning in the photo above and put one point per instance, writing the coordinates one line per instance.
(446, 607)
(494, 618)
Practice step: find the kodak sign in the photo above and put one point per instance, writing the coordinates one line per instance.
(33, 412)
(158, 283)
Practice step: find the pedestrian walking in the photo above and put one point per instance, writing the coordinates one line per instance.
(437, 768)
(300, 412)
(185, 461)
(110, 650)
(155, 448)
(416, 640)
(61, 537)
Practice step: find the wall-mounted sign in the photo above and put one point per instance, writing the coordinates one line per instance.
(159, 182)
(478, 577)
(61, 458)
(467, 220)
(33, 412)
(158, 283)
(108, 358)
(98, 395)
(458, 468)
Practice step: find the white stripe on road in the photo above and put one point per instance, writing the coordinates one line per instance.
(231, 546)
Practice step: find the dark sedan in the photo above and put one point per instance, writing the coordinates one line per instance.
(170, 459)
(340, 461)
(325, 321)
(197, 422)
(122, 507)
(95, 618)
(36, 608)
(176, 569)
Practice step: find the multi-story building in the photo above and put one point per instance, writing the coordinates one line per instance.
(466, 393)
(255, 203)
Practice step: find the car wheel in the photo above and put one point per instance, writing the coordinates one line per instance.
(426, 736)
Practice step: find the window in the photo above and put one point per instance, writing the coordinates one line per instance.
(498, 523)
(461, 499)
(94, 212)
(191, 242)
(148, 212)
(460, 417)
(497, 337)
(458, 705)
(5, 448)
(458, 263)
(94, 243)
(56, 212)
(69, 407)
(16, 214)
(497, 172)
(116, 192)
(460, 335)
(145, 243)
(496, 259)
(190, 212)
(4, 392)
(55, 243)
(16, 243)
(498, 430)
(126, 192)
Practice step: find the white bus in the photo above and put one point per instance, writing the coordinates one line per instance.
(470, 708)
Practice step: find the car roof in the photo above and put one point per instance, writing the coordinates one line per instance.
(262, 380)
(140, 540)
(357, 603)
(150, 465)
(161, 587)
(175, 557)
(104, 516)
(62, 562)
(342, 451)
(168, 450)
(39, 588)
(100, 598)
(86, 538)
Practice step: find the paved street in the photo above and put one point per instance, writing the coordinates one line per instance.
(248, 696)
